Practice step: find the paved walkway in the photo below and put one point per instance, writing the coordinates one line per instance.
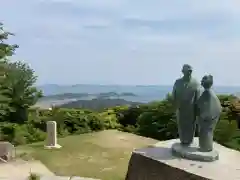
(49, 178)
(20, 170)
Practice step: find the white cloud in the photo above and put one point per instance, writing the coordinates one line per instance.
(119, 32)
(105, 4)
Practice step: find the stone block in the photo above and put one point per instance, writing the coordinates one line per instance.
(13, 178)
(158, 163)
(55, 178)
(6, 151)
(82, 178)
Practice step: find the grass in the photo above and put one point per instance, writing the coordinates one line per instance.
(33, 176)
(102, 155)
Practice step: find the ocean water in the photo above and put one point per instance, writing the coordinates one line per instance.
(143, 93)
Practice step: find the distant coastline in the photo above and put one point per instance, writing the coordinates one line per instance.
(59, 95)
(53, 89)
(86, 100)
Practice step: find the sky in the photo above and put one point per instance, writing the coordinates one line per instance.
(128, 42)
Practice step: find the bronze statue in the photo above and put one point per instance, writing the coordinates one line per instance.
(193, 107)
(186, 92)
(209, 111)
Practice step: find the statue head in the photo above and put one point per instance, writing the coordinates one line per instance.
(207, 81)
(187, 70)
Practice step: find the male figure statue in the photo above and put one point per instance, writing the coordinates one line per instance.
(209, 110)
(186, 91)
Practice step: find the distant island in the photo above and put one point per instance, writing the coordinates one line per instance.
(96, 101)
(114, 94)
(64, 96)
(98, 104)
(76, 96)
(56, 95)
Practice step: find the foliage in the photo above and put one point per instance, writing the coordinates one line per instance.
(110, 119)
(21, 134)
(128, 117)
(17, 79)
(225, 131)
(6, 50)
(33, 176)
(156, 120)
(159, 122)
(20, 79)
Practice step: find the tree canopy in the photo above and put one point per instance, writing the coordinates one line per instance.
(17, 79)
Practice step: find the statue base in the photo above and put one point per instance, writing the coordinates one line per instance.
(192, 152)
(57, 146)
(157, 162)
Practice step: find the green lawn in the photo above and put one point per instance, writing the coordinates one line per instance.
(103, 155)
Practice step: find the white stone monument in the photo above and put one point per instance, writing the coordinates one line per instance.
(52, 136)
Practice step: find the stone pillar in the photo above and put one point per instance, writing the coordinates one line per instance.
(52, 135)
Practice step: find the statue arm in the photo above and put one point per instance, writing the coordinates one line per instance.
(174, 94)
(197, 97)
(198, 91)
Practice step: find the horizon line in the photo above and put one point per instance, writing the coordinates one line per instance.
(132, 85)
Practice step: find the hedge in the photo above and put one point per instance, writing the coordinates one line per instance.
(156, 120)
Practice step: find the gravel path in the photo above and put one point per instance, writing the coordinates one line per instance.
(20, 168)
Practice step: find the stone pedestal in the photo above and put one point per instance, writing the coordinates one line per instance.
(158, 163)
(192, 152)
(52, 136)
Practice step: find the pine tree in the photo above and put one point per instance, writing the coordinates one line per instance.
(6, 50)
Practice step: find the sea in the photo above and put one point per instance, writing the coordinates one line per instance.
(143, 93)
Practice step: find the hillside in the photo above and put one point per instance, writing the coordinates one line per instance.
(87, 100)
(64, 96)
(103, 155)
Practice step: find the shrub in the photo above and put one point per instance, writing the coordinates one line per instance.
(129, 116)
(225, 131)
(33, 176)
(95, 122)
(158, 122)
(21, 134)
(109, 117)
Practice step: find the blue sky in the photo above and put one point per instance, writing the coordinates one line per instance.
(125, 41)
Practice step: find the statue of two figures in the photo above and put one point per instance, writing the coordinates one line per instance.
(195, 107)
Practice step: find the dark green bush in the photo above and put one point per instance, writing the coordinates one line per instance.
(21, 134)
(110, 119)
(156, 120)
(69, 121)
(129, 116)
(225, 131)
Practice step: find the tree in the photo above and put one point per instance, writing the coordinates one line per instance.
(159, 121)
(6, 50)
(20, 80)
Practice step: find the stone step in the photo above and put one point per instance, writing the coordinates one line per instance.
(22, 169)
(47, 178)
